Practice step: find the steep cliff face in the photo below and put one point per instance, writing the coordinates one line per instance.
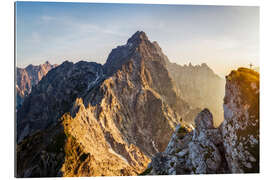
(240, 128)
(233, 147)
(29, 77)
(111, 120)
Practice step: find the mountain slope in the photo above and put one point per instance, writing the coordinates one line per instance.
(28, 77)
(106, 120)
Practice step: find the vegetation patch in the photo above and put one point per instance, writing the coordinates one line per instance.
(57, 144)
(146, 172)
(182, 131)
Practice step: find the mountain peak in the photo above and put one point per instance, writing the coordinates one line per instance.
(137, 37)
(47, 62)
(122, 54)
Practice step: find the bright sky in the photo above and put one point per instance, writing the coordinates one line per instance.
(223, 37)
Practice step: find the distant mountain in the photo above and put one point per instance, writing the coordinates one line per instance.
(233, 147)
(200, 87)
(28, 77)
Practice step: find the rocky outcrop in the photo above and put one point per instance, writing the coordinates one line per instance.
(192, 151)
(233, 147)
(240, 129)
(114, 118)
(28, 77)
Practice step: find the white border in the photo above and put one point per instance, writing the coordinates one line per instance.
(7, 85)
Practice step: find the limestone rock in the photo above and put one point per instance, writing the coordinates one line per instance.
(240, 128)
(204, 120)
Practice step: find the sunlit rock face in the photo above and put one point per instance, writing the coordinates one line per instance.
(28, 77)
(240, 128)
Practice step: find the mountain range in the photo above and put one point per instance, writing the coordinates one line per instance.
(88, 119)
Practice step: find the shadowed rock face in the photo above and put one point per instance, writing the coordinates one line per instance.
(29, 77)
(233, 147)
(111, 119)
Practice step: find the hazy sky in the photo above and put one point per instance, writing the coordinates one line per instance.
(223, 37)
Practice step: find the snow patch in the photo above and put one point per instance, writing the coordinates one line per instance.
(92, 83)
(118, 155)
(154, 145)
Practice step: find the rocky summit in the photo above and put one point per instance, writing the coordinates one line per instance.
(233, 147)
(129, 117)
